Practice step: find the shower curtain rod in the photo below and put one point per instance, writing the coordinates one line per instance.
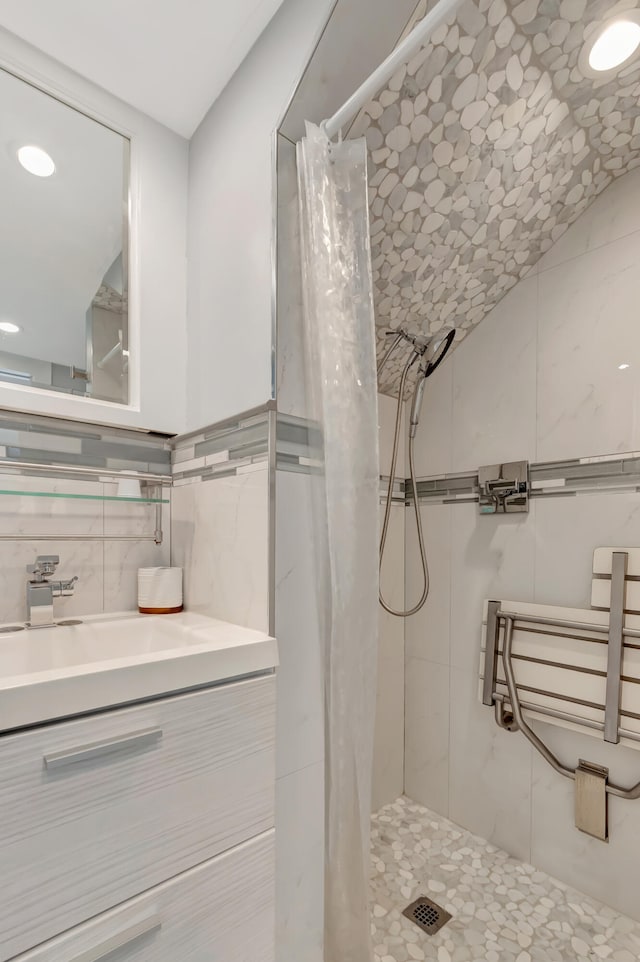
(401, 55)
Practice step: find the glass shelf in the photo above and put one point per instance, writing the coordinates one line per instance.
(83, 497)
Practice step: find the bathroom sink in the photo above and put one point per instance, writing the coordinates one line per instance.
(108, 660)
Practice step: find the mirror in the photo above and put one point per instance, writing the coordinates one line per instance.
(64, 187)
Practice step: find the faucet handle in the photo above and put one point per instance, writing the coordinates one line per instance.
(45, 565)
(48, 559)
(64, 589)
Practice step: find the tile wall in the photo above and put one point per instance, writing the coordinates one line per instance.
(60, 511)
(220, 536)
(539, 379)
(220, 518)
(107, 570)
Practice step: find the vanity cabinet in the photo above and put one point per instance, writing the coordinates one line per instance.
(220, 910)
(164, 809)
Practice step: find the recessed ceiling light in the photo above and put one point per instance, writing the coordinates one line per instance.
(36, 160)
(622, 367)
(8, 327)
(612, 46)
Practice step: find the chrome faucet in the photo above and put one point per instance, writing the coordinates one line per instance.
(41, 591)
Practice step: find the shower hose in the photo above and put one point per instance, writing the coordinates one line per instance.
(389, 500)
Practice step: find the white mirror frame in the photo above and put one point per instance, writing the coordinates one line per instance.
(159, 155)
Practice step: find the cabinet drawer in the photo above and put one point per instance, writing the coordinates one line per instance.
(98, 810)
(223, 909)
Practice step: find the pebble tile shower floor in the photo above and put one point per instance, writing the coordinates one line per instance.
(503, 910)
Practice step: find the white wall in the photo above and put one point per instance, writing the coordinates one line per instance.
(159, 160)
(538, 379)
(231, 221)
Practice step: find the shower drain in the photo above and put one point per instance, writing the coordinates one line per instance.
(427, 915)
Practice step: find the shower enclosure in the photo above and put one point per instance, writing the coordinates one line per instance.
(458, 800)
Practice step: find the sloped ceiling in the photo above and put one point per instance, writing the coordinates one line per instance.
(483, 150)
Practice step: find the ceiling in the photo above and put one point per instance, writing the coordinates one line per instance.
(483, 150)
(170, 59)
(65, 230)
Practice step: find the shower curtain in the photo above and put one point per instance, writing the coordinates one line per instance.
(342, 383)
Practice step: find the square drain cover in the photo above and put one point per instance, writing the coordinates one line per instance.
(427, 915)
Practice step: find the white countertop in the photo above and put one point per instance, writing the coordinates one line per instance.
(109, 660)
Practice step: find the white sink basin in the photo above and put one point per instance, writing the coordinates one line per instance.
(48, 673)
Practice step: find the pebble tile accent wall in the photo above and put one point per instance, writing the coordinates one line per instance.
(483, 150)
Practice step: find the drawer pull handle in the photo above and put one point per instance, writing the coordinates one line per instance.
(120, 941)
(95, 749)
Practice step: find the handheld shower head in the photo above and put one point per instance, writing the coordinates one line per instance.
(433, 356)
(437, 349)
(429, 352)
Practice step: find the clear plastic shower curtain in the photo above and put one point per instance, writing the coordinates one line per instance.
(341, 376)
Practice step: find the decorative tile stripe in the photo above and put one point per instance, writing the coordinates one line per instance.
(399, 490)
(231, 447)
(609, 473)
(298, 445)
(35, 440)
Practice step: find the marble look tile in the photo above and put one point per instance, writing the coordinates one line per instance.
(121, 562)
(608, 872)
(300, 866)
(490, 772)
(427, 734)
(387, 408)
(220, 536)
(24, 515)
(494, 385)
(614, 214)
(300, 715)
(107, 570)
(123, 558)
(427, 633)
(434, 438)
(567, 532)
(131, 518)
(82, 558)
(491, 557)
(587, 327)
(502, 910)
(392, 584)
(388, 759)
(388, 755)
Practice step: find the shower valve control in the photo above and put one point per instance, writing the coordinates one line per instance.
(504, 488)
